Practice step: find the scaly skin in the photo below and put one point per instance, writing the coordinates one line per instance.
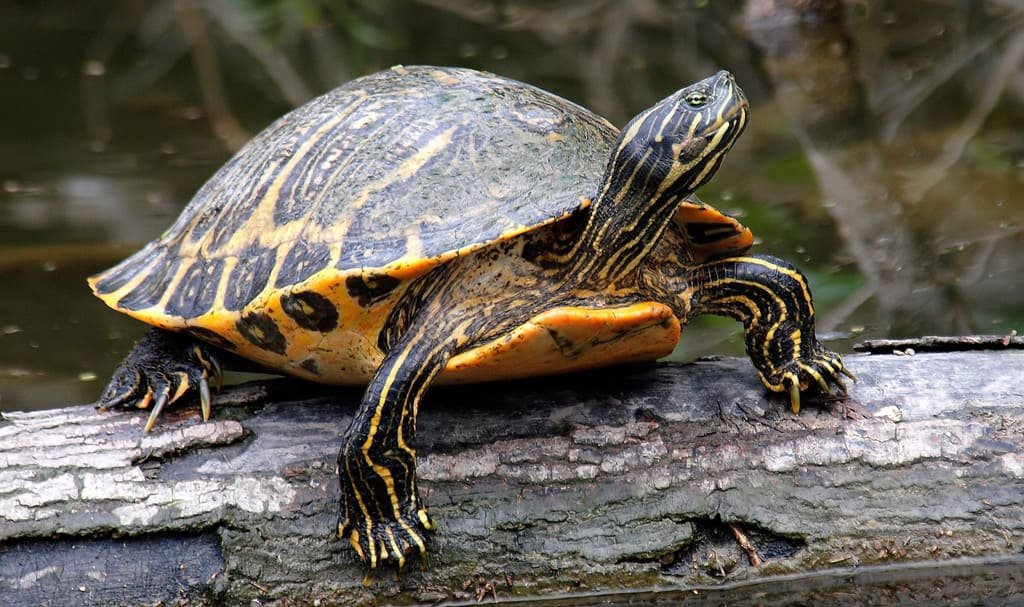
(161, 369)
(772, 299)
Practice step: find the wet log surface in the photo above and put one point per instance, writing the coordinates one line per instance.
(638, 477)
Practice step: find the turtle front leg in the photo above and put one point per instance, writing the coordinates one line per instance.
(382, 515)
(773, 301)
(161, 368)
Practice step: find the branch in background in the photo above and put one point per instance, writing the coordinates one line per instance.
(1009, 65)
(94, 71)
(211, 84)
(239, 28)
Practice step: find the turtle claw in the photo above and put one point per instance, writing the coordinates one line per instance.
(385, 540)
(794, 396)
(377, 530)
(821, 368)
(158, 405)
(204, 397)
(118, 395)
(162, 368)
(823, 385)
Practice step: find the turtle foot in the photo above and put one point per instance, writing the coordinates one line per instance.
(390, 539)
(381, 515)
(160, 369)
(823, 369)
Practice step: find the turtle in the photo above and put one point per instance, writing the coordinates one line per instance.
(425, 225)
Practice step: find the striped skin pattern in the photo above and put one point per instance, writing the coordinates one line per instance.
(424, 225)
(772, 300)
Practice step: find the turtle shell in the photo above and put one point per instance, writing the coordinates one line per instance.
(316, 225)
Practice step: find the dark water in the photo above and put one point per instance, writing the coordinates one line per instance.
(965, 583)
(885, 153)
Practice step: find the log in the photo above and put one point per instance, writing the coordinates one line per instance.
(648, 476)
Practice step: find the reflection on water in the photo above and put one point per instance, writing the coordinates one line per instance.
(960, 584)
(884, 156)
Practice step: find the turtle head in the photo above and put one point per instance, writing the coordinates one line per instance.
(675, 146)
(662, 156)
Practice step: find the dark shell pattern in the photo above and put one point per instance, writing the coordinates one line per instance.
(413, 163)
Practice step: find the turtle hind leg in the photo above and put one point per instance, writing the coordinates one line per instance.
(162, 367)
(773, 301)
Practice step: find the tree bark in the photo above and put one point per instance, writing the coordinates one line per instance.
(634, 477)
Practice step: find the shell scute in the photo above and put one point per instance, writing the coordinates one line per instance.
(194, 296)
(149, 286)
(249, 277)
(123, 273)
(303, 259)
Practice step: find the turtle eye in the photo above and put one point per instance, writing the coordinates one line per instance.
(696, 98)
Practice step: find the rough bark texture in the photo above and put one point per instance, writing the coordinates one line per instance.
(633, 477)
